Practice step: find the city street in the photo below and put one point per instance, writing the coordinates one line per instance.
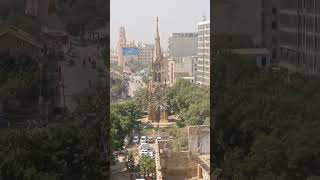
(134, 84)
(79, 77)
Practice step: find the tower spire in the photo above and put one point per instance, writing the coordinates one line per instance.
(157, 48)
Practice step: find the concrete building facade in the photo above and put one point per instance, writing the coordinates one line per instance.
(181, 68)
(145, 53)
(182, 44)
(202, 75)
(299, 39)
(191, 164)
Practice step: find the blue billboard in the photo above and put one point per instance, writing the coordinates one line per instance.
(130, 51)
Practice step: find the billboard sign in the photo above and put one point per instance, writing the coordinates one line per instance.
(130, 51)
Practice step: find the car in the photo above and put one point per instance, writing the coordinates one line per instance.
(143, 144)
(135, 140)
(145, 147)
(158, 138)
(150, 140)
(143, 139)
(171, 137)
(144, 152)
(151, 154)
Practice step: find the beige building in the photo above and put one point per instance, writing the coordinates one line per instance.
(193, 164)
(181, 68)
(145, 53)
(18, 42)
(182, 44)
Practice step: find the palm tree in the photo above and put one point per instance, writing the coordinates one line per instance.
(158, 102)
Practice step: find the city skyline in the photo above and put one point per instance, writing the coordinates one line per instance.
(140, 25)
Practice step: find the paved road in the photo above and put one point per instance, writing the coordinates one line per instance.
(119, 170)
(78, 77)
(135, 84)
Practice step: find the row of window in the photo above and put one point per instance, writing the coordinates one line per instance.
(206, 38)
(308, 5)
(204, 26)
(304, 60)
(311, 42)
(294, 21)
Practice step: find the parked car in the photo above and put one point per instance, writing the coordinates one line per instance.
(135, 140)
(150, 140)
(144, 152)
(143, 139)
(171, 137)
(151, 154)
(158, 138)
(145, 147)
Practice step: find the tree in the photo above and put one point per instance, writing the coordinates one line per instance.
(190, 102)
(55, 153)
(265, 126)
(147, 166)
(158, 102)
(124, 116)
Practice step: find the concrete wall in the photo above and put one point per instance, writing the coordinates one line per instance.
(182, 46)
(199, 140)
(238, 18)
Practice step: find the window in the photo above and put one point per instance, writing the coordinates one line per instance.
(263, 61)
(274, 54)
(274, 25)
(274, 10)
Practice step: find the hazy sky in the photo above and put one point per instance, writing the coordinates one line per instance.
(139, 18)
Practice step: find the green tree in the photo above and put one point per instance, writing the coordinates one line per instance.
(264, 125)
(55, 153)
(147, 166)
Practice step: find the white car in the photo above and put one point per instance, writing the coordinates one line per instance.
(135, 140)
(151, 154)
(144, 152)
(143, 139)
(150, 140)
(145, 147)
(158, 138)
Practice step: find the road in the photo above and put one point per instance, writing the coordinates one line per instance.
(135, 84)
(119, 170)
(78, 78)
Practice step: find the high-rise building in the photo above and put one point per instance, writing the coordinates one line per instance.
(299, 40)
(145, 53)
(203, 62)
(182, 44)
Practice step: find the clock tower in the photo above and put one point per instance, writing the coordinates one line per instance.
(157, 90)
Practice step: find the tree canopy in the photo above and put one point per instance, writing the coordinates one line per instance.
(190, 102)
(54, 153)
(147, 166)
(124, 116)
(265, 126)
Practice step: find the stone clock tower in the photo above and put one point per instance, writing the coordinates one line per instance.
(157, 92)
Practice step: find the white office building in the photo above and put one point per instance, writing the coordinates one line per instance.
(203, 63)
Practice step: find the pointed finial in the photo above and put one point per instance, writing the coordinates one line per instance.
(157, 20)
